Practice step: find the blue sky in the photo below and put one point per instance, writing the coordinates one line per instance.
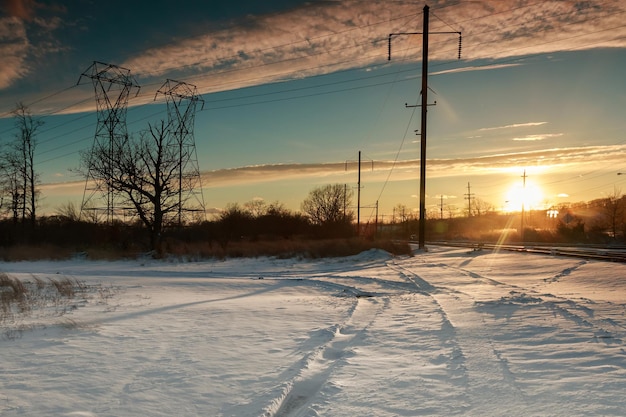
(293, 90)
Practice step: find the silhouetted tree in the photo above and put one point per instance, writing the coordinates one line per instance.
(613, 208)
(143, 173)
(480, 207)
(328, 206)
(17, 168)
(256, 207)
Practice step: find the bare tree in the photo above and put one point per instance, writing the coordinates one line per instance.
(257, 207)
(328, 205)
(613, 208)
(401, 213)
(10, 194)
(144, 174)
(19, 179)
(69, 212)
(480, 207)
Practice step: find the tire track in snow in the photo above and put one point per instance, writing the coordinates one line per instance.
(604, 328)
(491, 378)
(487, 376)
(566, 272)
(302, 391)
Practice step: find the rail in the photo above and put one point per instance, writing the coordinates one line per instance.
(602, 253)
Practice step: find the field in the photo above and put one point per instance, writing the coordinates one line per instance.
(441, 333)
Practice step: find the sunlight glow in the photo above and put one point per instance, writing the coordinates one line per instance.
(529, 197)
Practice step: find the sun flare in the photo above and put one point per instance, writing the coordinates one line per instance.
(523, 197)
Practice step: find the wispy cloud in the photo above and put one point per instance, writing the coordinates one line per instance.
(13, 49)
(330, 36)
(475, 68)
(513, 126)
(556, 159)
(551, 160)
(26, 36)
(324, 37)
(18, 8)
(538, 137)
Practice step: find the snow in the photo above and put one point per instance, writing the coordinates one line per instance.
(445, 332)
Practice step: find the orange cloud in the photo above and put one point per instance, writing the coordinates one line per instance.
(23, 9)
(329, 36)
(13, 49)
(557, 158)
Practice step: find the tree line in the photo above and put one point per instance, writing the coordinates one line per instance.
(147, 173)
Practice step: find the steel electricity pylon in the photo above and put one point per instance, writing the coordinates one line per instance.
(112, 85)
(182, 99)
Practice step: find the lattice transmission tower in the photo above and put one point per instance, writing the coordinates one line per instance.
(112, 85)
(182, 99)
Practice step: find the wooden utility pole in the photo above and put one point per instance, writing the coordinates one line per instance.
(523, 204)
(424, 106)
(376, 228)
(422, 223)
(441, 207)
(358, 205)
(358, 200)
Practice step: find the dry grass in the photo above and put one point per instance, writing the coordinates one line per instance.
(281, 248)
(36, 302)
(33, 253)
(18, 298)
(13, 296)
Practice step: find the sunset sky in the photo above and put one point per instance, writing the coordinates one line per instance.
(293, 90)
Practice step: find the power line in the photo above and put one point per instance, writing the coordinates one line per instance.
(309, 68)
(304, 96)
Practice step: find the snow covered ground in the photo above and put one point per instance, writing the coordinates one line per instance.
(447, 332)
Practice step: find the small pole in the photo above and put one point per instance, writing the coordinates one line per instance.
(358, 200)
(441, 207)
(376, 228)
(523, 204)
(469, 200)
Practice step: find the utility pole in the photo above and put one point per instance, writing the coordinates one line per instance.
(424, 105)
(469, 197)
(358, 200)
(523, 204)
(441, 207)
(376, 228)
(358, 204)
(345, 193)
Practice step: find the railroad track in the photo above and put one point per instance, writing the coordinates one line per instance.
(609, 254)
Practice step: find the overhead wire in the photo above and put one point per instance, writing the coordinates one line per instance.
(300, 89)
(73, 104)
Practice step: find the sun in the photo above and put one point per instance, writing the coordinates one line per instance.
(526, 197)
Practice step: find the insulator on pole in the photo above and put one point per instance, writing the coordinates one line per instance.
(460, 41)
(389, 49)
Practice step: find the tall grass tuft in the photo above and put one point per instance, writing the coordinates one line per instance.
(12, 293)
(51, 297)
(64, 287)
